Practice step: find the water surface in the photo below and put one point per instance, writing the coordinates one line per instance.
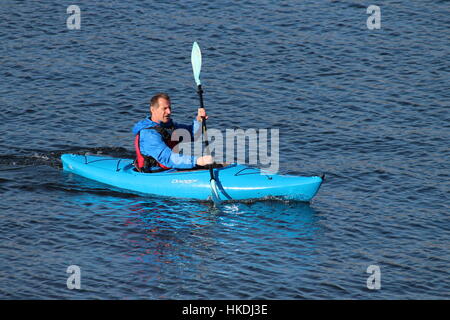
(369, 108)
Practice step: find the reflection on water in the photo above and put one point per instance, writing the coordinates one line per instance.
(167, 240)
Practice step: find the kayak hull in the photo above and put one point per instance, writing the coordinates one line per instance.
(234, 182)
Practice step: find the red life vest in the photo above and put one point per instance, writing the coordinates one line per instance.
(144, 163)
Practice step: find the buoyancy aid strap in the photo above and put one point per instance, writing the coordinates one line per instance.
(139, 162)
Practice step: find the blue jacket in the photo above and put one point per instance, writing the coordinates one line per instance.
(152, 144)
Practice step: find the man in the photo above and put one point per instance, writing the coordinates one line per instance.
(153, 143)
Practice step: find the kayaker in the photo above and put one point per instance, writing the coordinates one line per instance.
(153, 143)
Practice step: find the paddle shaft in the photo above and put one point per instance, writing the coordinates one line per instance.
(200, 95)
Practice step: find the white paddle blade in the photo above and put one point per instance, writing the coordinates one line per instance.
(214, 191)
(196, 60)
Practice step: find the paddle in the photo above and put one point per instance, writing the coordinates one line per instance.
(196, 60)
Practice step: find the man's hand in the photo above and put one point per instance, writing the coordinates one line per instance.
(205, 160)
(201, 114)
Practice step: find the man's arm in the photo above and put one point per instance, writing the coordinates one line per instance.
(194, 128)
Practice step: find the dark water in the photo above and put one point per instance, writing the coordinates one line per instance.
(370, 108)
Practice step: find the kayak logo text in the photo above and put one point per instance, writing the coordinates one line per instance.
(184, 181)
(250, 146)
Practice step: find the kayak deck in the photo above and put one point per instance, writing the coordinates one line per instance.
(234, 181)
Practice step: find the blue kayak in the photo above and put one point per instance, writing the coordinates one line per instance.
(234, 181)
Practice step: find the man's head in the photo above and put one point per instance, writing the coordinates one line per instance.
(160, 108)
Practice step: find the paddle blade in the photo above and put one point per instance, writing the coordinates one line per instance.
(196, 60)
(214, 191)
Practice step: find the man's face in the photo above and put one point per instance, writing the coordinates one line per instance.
(162, 112)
